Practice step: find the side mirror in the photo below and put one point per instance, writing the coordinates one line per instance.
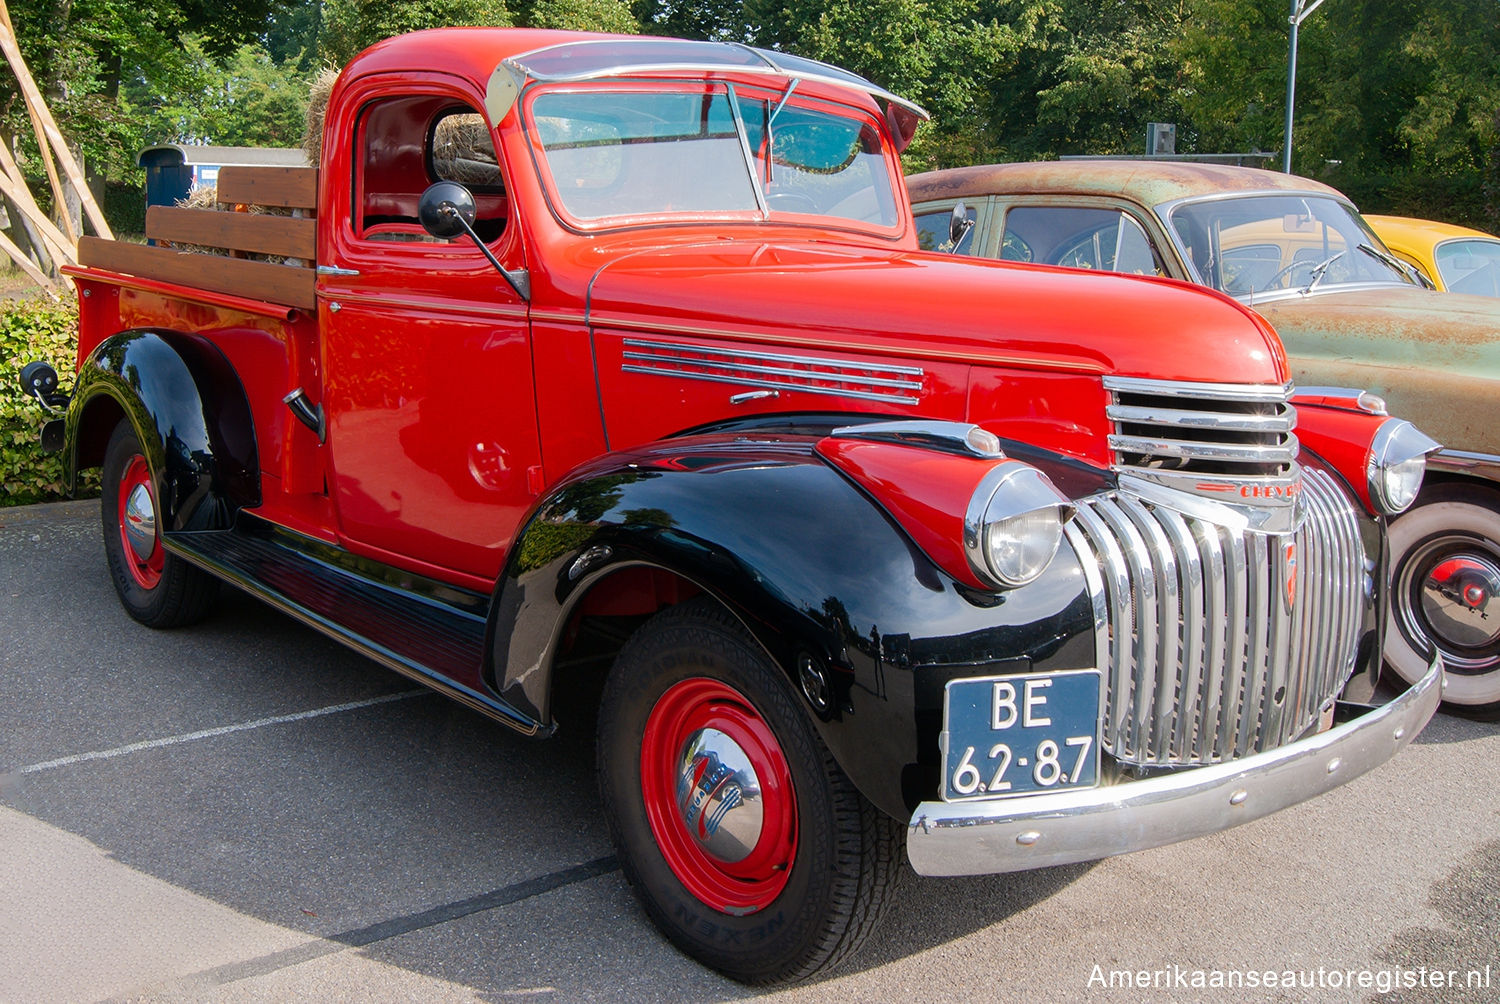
(446, 210)
(959, 226)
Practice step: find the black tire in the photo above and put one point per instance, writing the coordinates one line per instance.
(1445, 573)
(156, 587)
(793, 917)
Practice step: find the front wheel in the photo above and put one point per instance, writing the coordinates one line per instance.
(747, 845)
(157, 588)
(1446, 593)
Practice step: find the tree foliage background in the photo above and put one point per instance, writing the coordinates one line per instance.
(1398, 101)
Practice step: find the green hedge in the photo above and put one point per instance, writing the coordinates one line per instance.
(31, 330)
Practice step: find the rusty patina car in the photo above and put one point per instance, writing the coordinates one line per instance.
(1352, 315)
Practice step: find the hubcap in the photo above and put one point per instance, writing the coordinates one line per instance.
(140, 522)
(1448, 589)
(718, 795)
(136, 514)
(1457, 601)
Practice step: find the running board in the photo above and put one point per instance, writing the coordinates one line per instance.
(424, 629)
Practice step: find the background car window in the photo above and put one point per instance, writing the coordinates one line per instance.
(932, 231)
(1250, 266)
(1470, 266)
(1315, 241)
(1078, 237)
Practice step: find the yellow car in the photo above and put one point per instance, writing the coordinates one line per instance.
(1454, 258)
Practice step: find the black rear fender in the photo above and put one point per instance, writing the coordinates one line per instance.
(190, 413)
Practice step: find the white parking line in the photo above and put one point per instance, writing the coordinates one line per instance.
(188, 737)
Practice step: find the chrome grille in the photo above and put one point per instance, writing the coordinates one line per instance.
(1205, 659)
(1198, 435)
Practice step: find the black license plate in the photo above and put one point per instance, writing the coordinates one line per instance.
(1020, 735)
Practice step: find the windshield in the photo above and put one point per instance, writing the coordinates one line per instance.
(717, 149)
(1263, 244)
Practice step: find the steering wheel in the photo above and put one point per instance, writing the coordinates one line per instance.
(1286, 270)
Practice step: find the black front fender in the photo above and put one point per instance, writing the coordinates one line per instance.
(813, 568)
(190, 413)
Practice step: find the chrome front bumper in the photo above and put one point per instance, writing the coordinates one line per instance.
(1036, 831)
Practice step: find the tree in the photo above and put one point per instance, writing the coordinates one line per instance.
(580, 15)
(1089, 77)
(713, 20)
(350, 26)
(244, 99)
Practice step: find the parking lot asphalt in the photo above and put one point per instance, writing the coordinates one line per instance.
(244, 810)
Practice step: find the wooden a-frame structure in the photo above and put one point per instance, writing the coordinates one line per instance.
(59, 241)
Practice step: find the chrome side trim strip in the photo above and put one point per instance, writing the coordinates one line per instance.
(867, 381)
(779, 384)
(731, 367)
(1482, 465)
(1038, 831)
(779, 357)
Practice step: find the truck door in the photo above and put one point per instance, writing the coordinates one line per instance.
(427, 356)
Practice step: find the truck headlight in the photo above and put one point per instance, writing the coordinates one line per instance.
(1014, 525)
(1398, 462)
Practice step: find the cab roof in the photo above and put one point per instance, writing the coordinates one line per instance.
(524, 54)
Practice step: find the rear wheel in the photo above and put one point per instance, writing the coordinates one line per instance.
(747, 845)
(1446, 593)
(157, 588)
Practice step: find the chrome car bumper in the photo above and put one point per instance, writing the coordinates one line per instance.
(1036, 831)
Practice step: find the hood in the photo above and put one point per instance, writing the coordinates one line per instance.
(1402, 326)
(926, 305)
(1434, 357)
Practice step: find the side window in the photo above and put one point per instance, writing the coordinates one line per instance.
(407, 143)
(1470, 267)
(933, 227)
(1078, 237)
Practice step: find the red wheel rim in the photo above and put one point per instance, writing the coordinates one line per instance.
(708, 760)
(136, 514)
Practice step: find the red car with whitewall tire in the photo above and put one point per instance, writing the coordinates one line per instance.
(588, 358)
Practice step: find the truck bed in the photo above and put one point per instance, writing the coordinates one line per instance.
(239, 233)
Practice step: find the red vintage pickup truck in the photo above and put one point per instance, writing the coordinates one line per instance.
(615, 358)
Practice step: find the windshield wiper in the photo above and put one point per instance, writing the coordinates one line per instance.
(1316, 275)
(1399, 266)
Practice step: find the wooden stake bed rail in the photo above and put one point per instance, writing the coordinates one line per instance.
(295, 238)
